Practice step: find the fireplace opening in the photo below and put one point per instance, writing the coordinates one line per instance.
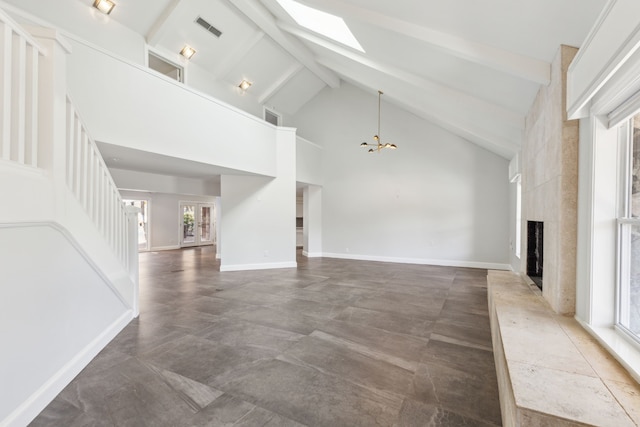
(535, 232)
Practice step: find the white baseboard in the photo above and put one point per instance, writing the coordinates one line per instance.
(30, 408)
(422, 261)
(265, 266)
(312, 254)
(164, 248)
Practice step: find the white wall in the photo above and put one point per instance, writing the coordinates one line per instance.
(147, 107)
(200, 79)
(437, 199)
(53, 318)
(258, 227)
(164, 216)
(308, 162)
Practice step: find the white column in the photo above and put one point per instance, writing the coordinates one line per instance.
(132, 255)
(312, 231)
(258, 228)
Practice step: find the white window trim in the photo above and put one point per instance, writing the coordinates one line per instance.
(624, 219)
(179, 62)
(600, 180)
(518, 229)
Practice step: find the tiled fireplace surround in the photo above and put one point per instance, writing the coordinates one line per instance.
(549, 160)
(550, 370)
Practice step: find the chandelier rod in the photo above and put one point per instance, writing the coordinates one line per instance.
(379, 96)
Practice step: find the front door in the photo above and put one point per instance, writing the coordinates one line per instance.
(196, 226)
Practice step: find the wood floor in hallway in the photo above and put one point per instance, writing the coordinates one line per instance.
(331, 343)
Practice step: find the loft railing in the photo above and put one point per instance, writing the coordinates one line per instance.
(19, 57)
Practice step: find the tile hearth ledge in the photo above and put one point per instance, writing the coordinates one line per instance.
(550, 370)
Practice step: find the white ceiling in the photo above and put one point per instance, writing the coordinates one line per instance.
(472, 67)
(120, 157)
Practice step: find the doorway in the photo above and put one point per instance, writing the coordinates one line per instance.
(196, 224)
(143, 221)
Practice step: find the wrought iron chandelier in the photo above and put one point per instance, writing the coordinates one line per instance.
(378, 146)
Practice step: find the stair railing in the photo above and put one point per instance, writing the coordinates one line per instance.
(32, 110)
(88, 177)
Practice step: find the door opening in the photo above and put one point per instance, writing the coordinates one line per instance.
(143, 221)
(196, 224)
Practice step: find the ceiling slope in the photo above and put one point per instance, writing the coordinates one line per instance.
(471, 67)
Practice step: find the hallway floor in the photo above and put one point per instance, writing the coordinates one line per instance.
(333, 343)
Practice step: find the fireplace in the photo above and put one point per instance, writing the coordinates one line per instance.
(535, 238)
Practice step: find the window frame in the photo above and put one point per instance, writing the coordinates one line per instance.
(624, 223)
(518, 230)
(597, 255)
(182, 72)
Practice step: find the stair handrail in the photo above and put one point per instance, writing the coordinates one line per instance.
(16, 28)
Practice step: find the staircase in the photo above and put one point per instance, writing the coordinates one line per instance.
(68, 244)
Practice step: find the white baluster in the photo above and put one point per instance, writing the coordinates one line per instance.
(70, 145)
(84, 169)
(97, 192)
(103, 203)
(89, 179)
(78, 156)
(18, 69)
(6, 46)
(31, 119)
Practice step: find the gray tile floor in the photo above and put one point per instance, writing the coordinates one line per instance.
(333, 343)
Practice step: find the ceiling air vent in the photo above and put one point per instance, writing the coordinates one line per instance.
(204, 24)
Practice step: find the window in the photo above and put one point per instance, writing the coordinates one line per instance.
(165, 67)
(518, 216)
(515, 177)
(628, 313)
(324, 23)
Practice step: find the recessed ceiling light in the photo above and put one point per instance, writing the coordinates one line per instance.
(104, 6)
(245, 84)
(187, 51)
(321, 22)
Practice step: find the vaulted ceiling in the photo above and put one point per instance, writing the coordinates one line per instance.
(472, 67)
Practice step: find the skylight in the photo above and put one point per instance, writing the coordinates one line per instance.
(321, 22)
